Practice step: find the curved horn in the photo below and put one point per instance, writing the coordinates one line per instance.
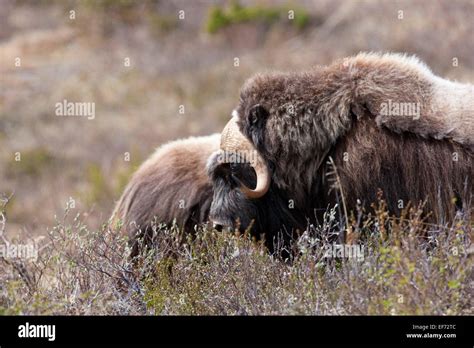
(233, 141)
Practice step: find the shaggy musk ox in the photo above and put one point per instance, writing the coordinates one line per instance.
(172, 185)
(387, 122)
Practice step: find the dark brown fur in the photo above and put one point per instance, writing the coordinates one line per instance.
(335, 111)
(405, 167)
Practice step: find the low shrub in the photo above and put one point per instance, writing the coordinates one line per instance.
(79, 271)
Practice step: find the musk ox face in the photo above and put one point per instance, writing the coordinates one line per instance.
(240, 204)
(230, 207)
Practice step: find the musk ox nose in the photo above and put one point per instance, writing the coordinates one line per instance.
(214, 219)
(217, 226)
(216, 223)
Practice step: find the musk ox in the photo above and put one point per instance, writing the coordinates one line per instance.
(386, 121)
(171, 186)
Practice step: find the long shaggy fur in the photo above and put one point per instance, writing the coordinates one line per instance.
(171, 186)
(337, 111)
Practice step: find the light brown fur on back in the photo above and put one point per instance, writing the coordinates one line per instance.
(172, 185)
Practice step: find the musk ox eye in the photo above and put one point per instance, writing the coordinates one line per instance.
(234, 167)
(256, 113)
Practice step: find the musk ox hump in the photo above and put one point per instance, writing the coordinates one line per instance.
(405, 96)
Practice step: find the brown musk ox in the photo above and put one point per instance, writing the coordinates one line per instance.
(386, 122)
(171, 186)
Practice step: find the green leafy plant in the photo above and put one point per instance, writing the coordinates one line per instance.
(220, 17)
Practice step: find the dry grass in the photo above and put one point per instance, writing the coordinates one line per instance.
(80, 271)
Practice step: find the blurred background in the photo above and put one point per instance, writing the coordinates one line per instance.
(160, 70)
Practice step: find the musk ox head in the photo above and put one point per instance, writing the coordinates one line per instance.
(258, 174)
(240, 203)
(288, 122)
(245, 196)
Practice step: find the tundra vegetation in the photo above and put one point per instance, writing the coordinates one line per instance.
(84, 271)
(82, 164)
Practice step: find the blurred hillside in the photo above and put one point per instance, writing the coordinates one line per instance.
(156, 73)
